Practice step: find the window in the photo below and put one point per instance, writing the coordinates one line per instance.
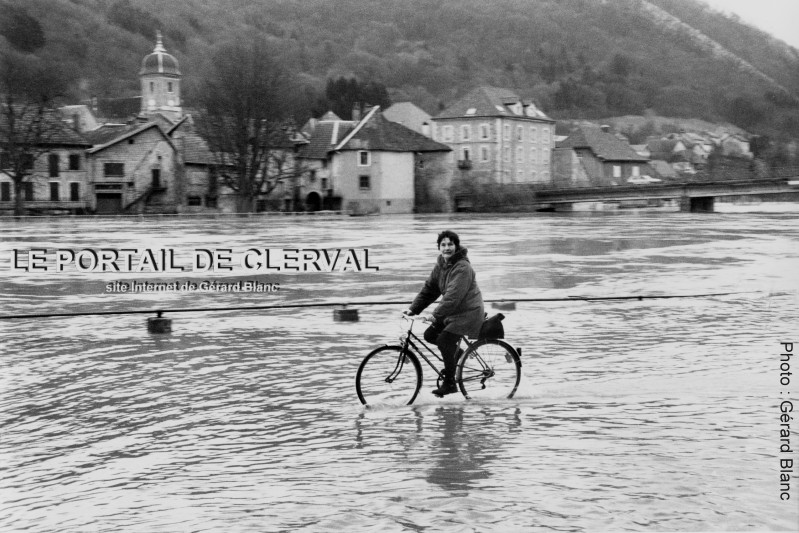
(364, 183)
(507, 132)
(520, 175)
(74, 192)
(312, 175)
(447, 133)
(131, 141)
(54, 195)
(506, 154)
(364, 158)
(533, 134)
(116, 170)
(545, 156)
(323, 183)
(74, 162)
(52, 165)
(485, 154)
(152, 87)
(194, 201)
(169, 86)
(533, 156)
(519, 154)
(156, 177)
(27, 189)
(485, 131)
(636, 171)
(5, 192)
(616, 171)
(465, 154)
(520, 133)
(545, 135)
(210, 201)
(466, 132)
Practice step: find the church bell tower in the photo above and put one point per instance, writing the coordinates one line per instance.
(160, 83)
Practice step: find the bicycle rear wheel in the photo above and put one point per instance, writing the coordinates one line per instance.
(387, 376)
(489, 369)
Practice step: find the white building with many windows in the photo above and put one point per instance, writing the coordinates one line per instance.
(497, 137)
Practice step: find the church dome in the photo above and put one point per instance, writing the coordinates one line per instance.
(159, 62)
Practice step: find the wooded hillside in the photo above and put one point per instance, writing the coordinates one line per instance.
(576, 58)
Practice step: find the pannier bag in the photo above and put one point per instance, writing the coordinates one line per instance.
(492, 328)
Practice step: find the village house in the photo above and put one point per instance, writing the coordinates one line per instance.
(605, 159)
(59, 181)
(372, 166)
(497, 137)
(133, 169)
(324, 134)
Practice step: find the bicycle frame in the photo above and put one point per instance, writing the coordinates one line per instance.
(409, 345)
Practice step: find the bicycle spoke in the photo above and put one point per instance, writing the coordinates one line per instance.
(489, 370)
(386, 377)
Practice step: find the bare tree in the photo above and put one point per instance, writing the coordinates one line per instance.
(245, 106)
(29, 122)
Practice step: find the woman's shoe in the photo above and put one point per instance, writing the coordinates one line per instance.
(447, 387)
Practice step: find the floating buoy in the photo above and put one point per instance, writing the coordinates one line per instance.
(159, 325)
(345, 315)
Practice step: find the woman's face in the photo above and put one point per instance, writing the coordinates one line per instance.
(447, 247)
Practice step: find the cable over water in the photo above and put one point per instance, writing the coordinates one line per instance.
(160, 312)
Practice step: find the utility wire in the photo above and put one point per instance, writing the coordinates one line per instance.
(159, 312)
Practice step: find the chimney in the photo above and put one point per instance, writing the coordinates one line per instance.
(356, 111)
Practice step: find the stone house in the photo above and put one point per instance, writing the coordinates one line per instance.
(604, 157)
(496, 137)
(133, 169)
(376, 166)
(59, 181)
(316, 192)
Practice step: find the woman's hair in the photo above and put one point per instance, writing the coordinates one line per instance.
(451, 235)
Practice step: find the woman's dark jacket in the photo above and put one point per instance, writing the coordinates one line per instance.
(461, 305)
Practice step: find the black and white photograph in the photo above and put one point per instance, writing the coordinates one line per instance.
(388, 266)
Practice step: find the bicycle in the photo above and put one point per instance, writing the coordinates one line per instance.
(392, 374)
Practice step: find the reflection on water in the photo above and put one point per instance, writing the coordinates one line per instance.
(631, 415)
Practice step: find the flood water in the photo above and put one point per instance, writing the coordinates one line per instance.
(637, 415)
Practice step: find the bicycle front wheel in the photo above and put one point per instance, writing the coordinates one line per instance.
(388, 376)
(489, 369)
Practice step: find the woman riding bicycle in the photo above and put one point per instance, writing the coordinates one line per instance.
(460, 311)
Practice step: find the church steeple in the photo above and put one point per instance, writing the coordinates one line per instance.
(160, 82)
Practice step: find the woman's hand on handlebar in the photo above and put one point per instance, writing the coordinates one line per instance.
(410, 315)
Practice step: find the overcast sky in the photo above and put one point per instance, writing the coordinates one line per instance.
(778, 17)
